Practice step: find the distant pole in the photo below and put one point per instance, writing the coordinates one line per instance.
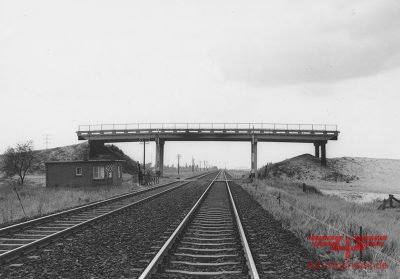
(179, 158)
(192, 164)
(46, 140)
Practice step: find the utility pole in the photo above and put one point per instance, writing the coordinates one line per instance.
(46, 140)
(192, 164)
(179, 157)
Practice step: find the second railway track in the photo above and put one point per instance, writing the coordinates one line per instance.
(210, 241)
(24, 237)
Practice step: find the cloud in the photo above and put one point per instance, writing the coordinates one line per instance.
(312, 43)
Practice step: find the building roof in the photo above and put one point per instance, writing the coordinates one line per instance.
(83, 161)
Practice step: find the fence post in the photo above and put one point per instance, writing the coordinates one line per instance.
(20, 202)
(361, 244)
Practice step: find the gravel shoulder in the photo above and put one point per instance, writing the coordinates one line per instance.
(277, 252)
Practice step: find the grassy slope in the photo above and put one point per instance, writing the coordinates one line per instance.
(336, 216)
(307, 167)
(80, 152)
(359, 174)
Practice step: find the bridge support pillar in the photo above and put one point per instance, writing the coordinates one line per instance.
(323, 154)
(160, 156)
(94, 147)
(254, 158)
(316, 146)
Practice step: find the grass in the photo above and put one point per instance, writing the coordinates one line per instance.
(336, 216)
(38, 200)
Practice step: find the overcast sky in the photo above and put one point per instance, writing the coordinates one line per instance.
(65, 63)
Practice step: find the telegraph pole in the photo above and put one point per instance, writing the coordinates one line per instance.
(179, 157)
(192, 164)
(46, 140)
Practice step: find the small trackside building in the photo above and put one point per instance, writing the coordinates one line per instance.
(89, 173)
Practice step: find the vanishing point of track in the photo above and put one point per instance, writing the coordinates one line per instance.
(209, 242)
(21, 238)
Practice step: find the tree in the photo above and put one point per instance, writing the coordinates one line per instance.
(18, 160)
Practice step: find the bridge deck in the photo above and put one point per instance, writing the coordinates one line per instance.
(268, 132)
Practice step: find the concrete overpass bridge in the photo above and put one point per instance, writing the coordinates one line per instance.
(317, 134)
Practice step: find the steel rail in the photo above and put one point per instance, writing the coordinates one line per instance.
(247, 252)
(18, 226)
(15, 253)
(158, 258)
(153, 266)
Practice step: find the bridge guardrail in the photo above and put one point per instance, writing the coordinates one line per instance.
(209, 126)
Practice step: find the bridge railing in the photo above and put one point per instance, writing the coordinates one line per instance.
(208, 126)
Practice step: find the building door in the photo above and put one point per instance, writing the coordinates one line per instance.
(109, 174)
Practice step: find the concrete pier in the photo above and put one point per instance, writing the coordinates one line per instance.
(254, 158)
(160, 156)
(323, 154)
(316, 146)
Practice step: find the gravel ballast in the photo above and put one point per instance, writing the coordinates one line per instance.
(277, 252)
(118, 247)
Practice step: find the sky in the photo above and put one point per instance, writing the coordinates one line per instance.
(67, 63)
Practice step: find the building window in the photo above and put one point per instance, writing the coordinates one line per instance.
(98, 172)
(78, 172)
(119, 172)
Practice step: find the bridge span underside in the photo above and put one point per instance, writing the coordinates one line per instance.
(319, 135)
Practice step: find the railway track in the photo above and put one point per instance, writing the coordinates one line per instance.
(209, 242)
(24, 237)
